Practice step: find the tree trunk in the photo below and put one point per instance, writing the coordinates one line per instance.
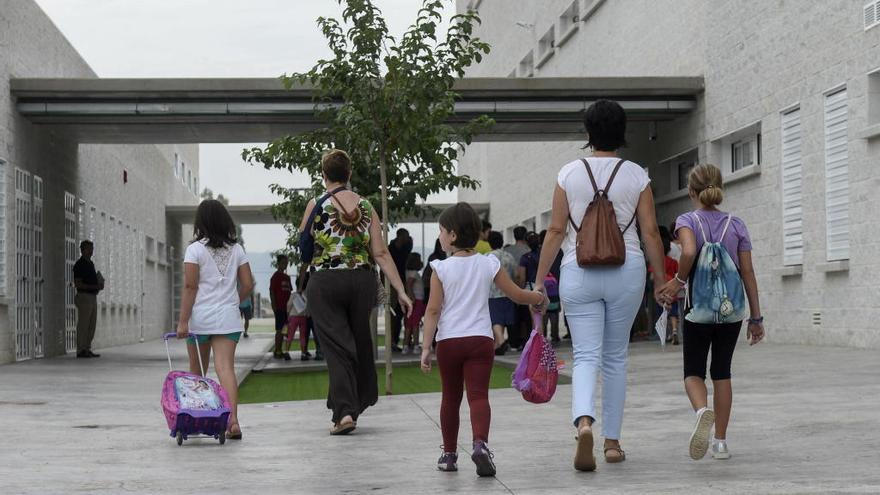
(384, 178)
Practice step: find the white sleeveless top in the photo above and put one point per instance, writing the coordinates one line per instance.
(624, 193)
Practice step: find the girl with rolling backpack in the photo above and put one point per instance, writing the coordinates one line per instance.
(716, 268)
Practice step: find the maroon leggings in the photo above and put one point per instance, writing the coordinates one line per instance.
(465, 361)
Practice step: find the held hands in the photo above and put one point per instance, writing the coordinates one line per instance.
(183, 330)
(667, 293)
(540, 293)
(426, 359)
(755, 333)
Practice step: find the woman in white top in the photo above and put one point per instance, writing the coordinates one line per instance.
(601, 303)
(216, 279)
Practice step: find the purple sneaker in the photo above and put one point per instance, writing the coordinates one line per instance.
(482, 457)
(448, 462)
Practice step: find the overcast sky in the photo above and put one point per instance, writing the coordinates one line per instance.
(213, 38)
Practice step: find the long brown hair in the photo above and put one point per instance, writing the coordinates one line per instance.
(214, 223)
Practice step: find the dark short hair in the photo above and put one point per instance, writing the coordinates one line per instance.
(464, 221)
(605, 122)
(336, 165)
(281, 257)
(486, 226)
(414, 261)
(672, 232)
(402, 232)
(214, 223)
(496, 240)
(519, 233)
(534, 241)
(85, 243)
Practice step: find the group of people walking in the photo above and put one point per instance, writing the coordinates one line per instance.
(461, 288)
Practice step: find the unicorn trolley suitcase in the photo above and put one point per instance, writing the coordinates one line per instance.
(193, 404)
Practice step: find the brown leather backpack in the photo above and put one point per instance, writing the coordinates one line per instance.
(599, 239)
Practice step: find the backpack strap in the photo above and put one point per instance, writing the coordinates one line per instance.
(590, 173)
(596, 190)
(724, 232)
(318, 205)
(345, 213)
(702, 230)
(614, 174)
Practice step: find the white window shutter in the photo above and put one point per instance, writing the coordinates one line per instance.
(792, 190)
(2, 227)
(836, 177)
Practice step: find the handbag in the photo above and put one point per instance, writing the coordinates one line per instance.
(306, 238)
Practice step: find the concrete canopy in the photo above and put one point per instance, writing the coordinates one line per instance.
(129, 111)
(262, 214)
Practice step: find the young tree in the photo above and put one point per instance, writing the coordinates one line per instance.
(388, 103)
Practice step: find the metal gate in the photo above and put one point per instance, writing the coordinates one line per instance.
(39, 278)
(70, 257)
(24, 287)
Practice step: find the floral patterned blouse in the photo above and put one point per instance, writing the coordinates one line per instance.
(343, 243)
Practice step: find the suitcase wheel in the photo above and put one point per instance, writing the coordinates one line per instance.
(179, 437)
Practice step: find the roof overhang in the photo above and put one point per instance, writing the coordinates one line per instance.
(262, 214)
(113, 111)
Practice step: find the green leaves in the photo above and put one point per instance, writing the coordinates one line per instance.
(391, 103)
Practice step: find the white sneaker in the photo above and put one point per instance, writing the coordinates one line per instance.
(699, 443)
(719, 450)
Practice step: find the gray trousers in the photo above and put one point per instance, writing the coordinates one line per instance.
(87, 319)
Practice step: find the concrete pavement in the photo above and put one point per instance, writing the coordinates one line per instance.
(805, 420)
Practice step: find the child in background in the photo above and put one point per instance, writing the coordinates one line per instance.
(415, 289)
(459, 304)
(297, 321)
(551, 316)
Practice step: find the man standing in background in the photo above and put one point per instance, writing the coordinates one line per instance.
(279, 293)
(400, 248)
(88, 283)
(523, 318)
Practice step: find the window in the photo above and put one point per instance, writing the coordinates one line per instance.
(176, 165)
(683, 165)
(546, 46)
(196, 186)
(527, 66)
(872, 14)
(745, 153)
(792, 189)
(183, 173)
(836, 176)
(569, 21)
(189, 180)
(874, 97)
(2, 227)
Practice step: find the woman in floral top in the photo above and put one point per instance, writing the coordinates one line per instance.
(342, 291)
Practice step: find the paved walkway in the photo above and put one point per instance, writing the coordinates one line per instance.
(805, 421)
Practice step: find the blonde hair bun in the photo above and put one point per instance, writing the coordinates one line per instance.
(706, 183)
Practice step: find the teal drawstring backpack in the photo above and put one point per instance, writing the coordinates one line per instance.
(716, 290)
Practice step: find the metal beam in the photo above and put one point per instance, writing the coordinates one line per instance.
(256, 110)
(262, 214)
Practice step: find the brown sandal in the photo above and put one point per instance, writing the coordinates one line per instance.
(620, 457)
(584, 460)
(343, 428)
(233, 435)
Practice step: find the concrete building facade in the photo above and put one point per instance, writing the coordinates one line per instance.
(790, 112)
(55, 192)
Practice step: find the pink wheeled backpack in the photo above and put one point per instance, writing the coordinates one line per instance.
(193, 404)
(537, 374)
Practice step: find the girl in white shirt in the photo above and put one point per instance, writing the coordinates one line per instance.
(216, 278)
(459, 304)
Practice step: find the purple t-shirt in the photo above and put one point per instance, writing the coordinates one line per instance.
(735, 240)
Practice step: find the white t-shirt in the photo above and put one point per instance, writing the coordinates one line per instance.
(418, 287)
(216, 307)
(624, 193)
(466, 281)
(674, 251)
